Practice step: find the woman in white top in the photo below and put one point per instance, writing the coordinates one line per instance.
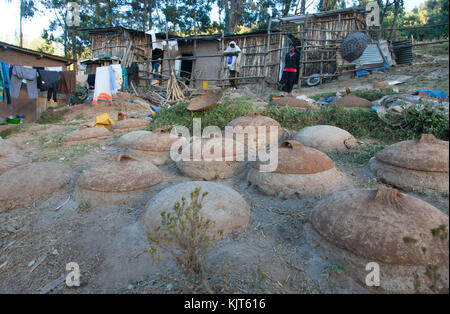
(233, 53)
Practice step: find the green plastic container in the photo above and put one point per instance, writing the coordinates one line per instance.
(13, 121)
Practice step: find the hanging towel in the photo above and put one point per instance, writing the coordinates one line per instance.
(4, 68)
(2, 88)
(118, 75)
(68, 83)
(112, 80)
(20, 73)
(102, 85)
(125, 77)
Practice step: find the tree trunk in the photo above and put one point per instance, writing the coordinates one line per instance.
(150, 11)
(21, 31)
(397, 4)
(234, 15)
(302, 6)
(74, 51)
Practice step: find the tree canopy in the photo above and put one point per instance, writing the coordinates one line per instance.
(187, 17)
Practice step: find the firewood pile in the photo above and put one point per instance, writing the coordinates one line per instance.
(173, 91)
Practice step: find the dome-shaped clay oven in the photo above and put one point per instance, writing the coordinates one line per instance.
(351, 100)
(129, 124)
(122, 180)
(153, 147)
(302, 171)
(10, 161)
(8, 147)
(289, 101)
(414, 164)
(255, 120)
(128, 139)
(214, 164)
(224, 206)
(30, 182)
(87, 134)
(382, 225)
(326, 138)
(406, 237)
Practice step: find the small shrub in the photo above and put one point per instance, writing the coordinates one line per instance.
(428, 121)
(369, 94)
(359, 155)
(373, 94)
(183, 235)
(51, 116)
(330, 270)
(10, 131)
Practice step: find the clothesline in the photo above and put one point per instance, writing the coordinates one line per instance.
(50, 79)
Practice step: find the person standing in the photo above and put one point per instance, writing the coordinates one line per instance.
(291, 64)
(233, 53)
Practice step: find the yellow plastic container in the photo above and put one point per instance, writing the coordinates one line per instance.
(104, 121)
(205, 84)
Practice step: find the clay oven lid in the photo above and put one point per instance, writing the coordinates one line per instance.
(130, 124)
(424, 154)
(384, 225)
(123, 174)
(296, 158)
(351, 100)
(86, 133)
(160, 140)
(205, 101)
(254, 119)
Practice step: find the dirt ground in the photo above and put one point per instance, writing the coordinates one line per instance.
(273, 254)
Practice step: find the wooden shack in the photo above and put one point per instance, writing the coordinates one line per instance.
(200, 58)
(124, 46)
(318, 37)
(31, 108)
(195, 58)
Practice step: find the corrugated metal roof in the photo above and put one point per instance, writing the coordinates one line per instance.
(370, 57)
(403, 55)
(6, 46)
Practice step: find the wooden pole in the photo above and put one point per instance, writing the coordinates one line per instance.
(223, 60)
(265, 57)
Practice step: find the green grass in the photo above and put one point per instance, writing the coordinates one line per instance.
(373, 94)
(68, 153)
(369, 94)
(11, 130)
(358, 155)
(220, 115)
(316, 97)
(434, 50)
(51, 116)
(358, 121)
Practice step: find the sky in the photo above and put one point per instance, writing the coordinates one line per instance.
(32, 28)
